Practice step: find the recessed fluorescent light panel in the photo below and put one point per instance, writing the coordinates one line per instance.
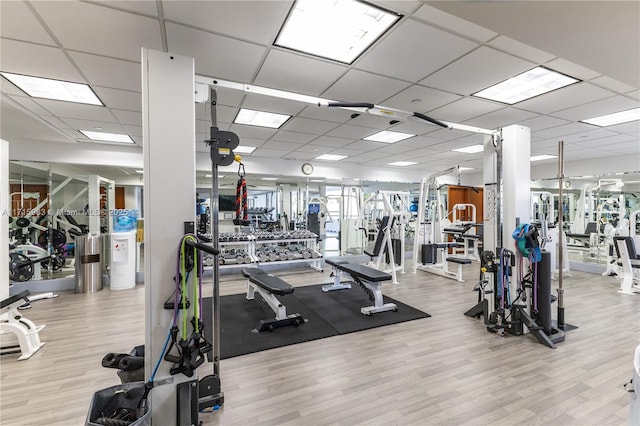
(331, 157)
(526, 85)
(402, 163)
(470, 149)
(269, 178)
(260, 118)
(462, 169)
(58, 90)
(340, 30)
(106, 137)
(615, 118)
(244, 149)
(543, 157)
(388, 136)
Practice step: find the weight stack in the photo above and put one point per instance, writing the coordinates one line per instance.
(429, 254)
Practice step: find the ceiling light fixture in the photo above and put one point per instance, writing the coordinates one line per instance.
(388, 136)
(38, 87)
(140, 171)
(244, 149)
(269, 178)
(331, 157)
(106, 137)
(470, 149)
(340, 30)
(529, 84)
(260, 118)
(463, 169)
(402, 163)
(615, 118)
(543, 157)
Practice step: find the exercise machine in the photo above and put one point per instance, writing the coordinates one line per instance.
(268, 287)
(630, 262)
(12, 322)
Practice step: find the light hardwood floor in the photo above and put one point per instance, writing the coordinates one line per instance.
(443, 370)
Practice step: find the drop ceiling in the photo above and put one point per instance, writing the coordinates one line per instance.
(431, 62)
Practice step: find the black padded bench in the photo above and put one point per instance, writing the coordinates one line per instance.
(459, 260)
(269, 286)
(370, 280)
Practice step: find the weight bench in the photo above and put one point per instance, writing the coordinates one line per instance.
(630, 262)
(370, 280)
(269, 286)
(11, 321)
(338, 284)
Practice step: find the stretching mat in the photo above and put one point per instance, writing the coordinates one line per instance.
(328, 314)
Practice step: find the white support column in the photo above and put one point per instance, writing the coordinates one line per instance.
(94, 204)
(516, 172)
(5, 213)
(111, 204)
(169, 192)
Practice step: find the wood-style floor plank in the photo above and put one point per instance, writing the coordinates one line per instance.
(443, 370)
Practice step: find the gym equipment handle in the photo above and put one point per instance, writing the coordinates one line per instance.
(211, 250)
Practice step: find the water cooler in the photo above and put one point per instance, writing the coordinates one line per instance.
(123, 250)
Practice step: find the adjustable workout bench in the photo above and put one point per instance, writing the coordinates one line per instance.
(430, 258)
(11, 321)
(269, 286)
(370, 280)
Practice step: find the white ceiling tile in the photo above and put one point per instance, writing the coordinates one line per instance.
(100, 30)
(63, 110)
(128, 117)
(17, 22)
(453, 23)
(119, 99)
(36, 60)
(635, 94)
(30, 105)
(56, 122)
(632, 147)
(252, 132)
(521, 50)
(303, 155)
(256, 21)
(567, 97)
(360, 86)
(348, 131)
(571, 69)
(501, 118)
(295, 137)
(269, 104)
(134, 130)
(424, 142)
(611, 84)
(108, 72)
(464, 109)
(588, 136)
(417, 58)
(335, 115)
(215, 56)
(145, 7)
(476, 71)
(297, 73)
(370, 120)
(282, 146)
(309, 148)
(306, 125)
(365, 146)
(567, 129)
(542, 122)
(420, 99)
(397, 148)
(597, 108)
(371, 155)
(271, 153)
(631, 128)
(329, 141)
(345, 151)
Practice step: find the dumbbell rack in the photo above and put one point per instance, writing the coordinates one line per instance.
(255, 244)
